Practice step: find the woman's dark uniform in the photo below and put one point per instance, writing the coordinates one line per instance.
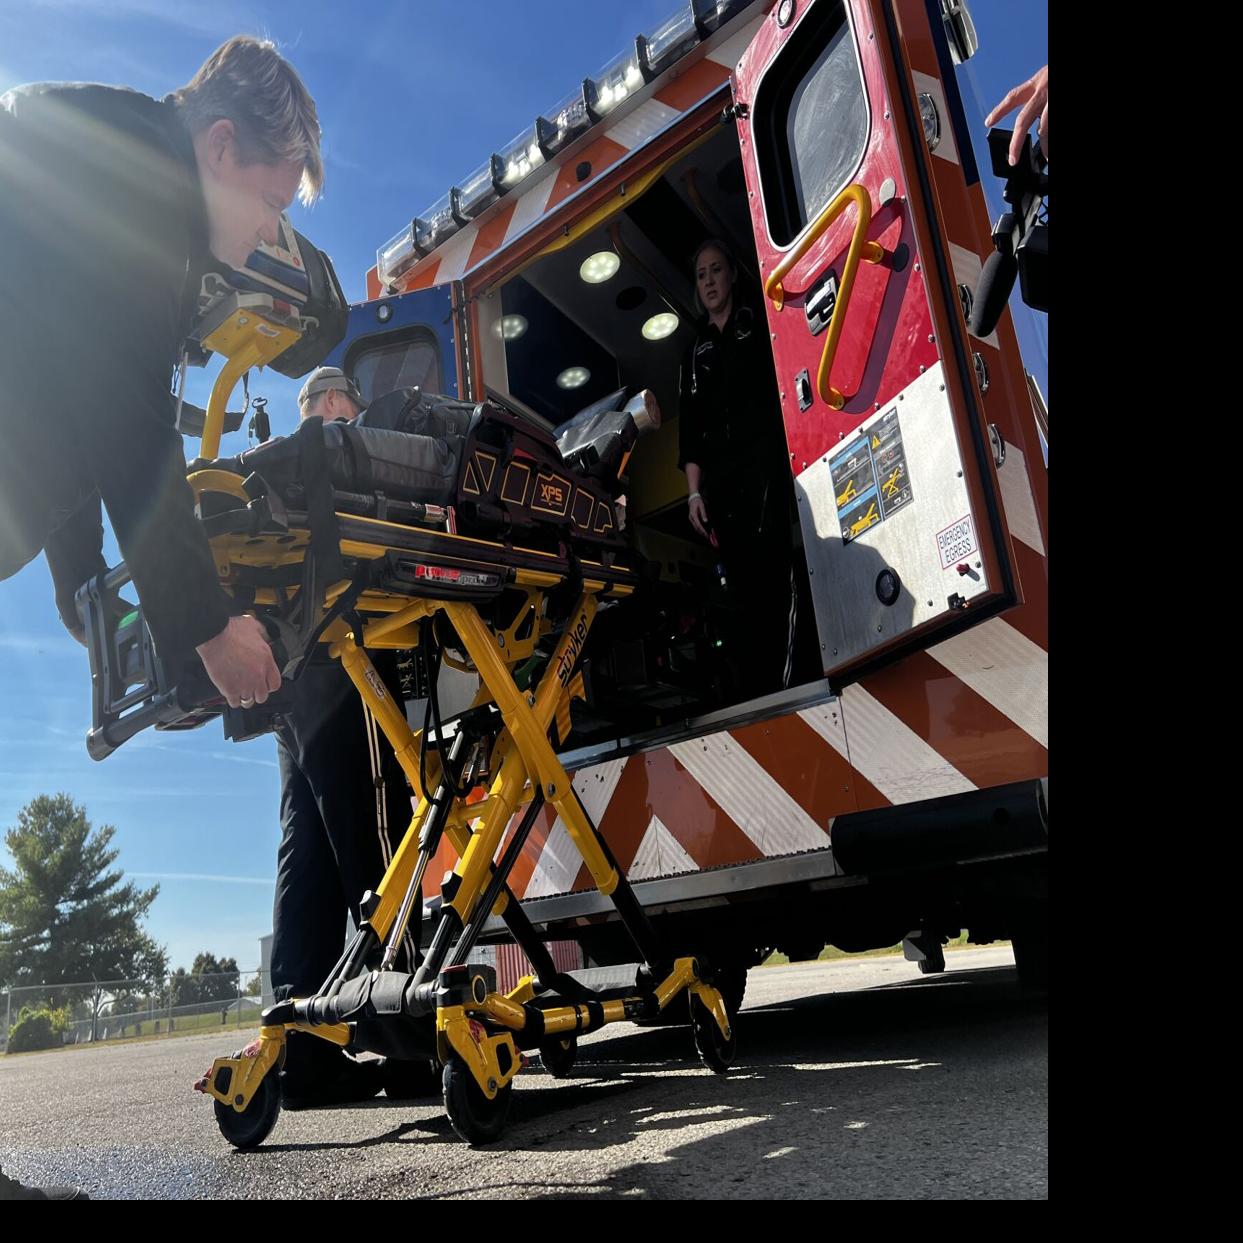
(730, 426)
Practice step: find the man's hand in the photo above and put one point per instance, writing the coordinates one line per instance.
(239, 661)
(1034, 96)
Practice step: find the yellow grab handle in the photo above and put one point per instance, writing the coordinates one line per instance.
(860, 249)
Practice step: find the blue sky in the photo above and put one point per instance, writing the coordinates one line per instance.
(411, 97)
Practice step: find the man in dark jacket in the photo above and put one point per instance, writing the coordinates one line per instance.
(345, 807)
(112, 205)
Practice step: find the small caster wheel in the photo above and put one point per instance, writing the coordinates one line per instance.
(475, 1118)
(559, 1057)
(715, 1051)
(254, 1124)
(410, 1081)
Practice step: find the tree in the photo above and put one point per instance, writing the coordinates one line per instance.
(65, 913)
(209, 979)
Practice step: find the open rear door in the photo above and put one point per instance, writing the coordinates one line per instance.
(893, 459)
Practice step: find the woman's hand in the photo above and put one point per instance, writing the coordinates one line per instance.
(699, 515)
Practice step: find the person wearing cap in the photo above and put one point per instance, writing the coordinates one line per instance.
(345, 806)
(112, 207)
(338, 396)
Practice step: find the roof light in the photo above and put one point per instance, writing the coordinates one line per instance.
(520, 158)
(616, 80)
(396, 256)
(660, 326)
(574, 115)
(573, 377)
(437, 226)
(669, 41)
(480, 190)
(509, 327)
(600, 267)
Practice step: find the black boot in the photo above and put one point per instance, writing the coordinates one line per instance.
(11, 1189)
(317, 1073)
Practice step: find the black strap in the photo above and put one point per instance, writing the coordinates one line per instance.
(321, 514)
(344, 603)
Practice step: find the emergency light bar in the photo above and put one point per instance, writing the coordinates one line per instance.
(530, 150)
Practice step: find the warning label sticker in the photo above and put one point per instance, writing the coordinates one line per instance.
(870, 477)
(956, 542)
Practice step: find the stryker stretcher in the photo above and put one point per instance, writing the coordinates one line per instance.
(332, 537)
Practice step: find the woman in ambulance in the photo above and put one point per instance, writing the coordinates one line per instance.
(732, 448)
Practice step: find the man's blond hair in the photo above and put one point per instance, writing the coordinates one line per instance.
(248, 82)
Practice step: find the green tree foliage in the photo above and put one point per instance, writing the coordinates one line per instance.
(209, 979)
(66, 913)
(36, 1029)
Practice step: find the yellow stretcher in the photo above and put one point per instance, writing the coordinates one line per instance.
(501, 575)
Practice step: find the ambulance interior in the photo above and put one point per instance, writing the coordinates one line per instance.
(614, 309)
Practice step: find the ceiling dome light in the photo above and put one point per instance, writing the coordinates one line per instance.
(573, 377)
(660, 326)
(597, 268)
(509, 327)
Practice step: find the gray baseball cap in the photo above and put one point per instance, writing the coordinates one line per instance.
(324, 378)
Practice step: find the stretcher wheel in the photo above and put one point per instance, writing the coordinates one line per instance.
(475, 1118)
(410, 1081)
(254, 1124)
(715, 1051)
(559, 1057)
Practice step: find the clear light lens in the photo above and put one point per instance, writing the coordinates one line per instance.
(660, 326)
(573, 377)
(509, 327)
(598, 268)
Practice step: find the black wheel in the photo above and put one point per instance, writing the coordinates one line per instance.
(559, 1056)
(254, 1124)
(475, 1118)
(730, 982)
(410, 1081)
(933, 962)
(715, 1051)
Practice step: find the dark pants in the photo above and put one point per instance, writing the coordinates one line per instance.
(332, 847)
(750, 515)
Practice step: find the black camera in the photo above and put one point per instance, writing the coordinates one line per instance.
(1021, 235)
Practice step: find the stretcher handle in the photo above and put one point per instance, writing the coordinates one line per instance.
(860, 249)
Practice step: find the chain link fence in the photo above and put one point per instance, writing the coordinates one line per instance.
(43, 1016)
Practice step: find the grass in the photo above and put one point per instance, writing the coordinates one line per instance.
(186, 1025)
(832, 952)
